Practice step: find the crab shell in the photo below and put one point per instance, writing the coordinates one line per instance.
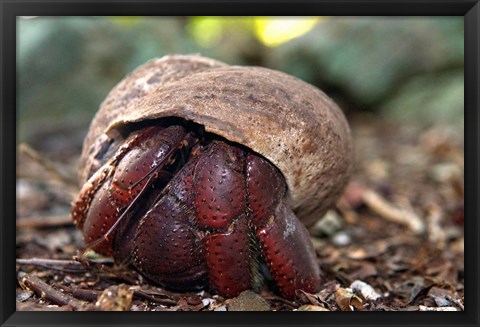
(291, 123)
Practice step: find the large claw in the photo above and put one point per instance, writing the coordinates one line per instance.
(110, 192)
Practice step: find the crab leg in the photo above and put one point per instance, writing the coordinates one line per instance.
(220, 206)
(284, 241)
(228, 259)
(166, 247)
(288, 252)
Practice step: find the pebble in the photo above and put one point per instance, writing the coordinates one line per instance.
(328, 225)
(367, 291)
(207, 302)
(341, 239)
(248, 301)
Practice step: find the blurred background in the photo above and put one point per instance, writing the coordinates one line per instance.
(405, 69)
(400, 81)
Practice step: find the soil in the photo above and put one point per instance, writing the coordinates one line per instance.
(394, 241)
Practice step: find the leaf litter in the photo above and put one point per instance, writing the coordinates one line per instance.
(394, 242)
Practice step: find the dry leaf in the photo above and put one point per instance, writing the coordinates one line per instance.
(347, 300)
(308, 297)
(115, 298)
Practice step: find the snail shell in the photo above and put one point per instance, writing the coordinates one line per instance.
(291, 123)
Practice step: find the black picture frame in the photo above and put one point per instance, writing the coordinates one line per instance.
(10, 9)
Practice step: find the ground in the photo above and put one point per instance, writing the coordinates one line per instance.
(394, 241)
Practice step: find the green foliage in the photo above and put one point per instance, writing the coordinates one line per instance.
(67, 65)
(429, 98)
(369, 59)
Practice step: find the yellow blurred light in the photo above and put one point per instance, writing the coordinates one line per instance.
(273, 31)
(206, 31)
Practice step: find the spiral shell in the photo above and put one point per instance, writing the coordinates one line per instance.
(291, 123)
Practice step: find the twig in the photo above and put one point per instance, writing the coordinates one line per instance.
(51, 168)
(107, 273)
(282, 300)
(44, 222)
(393, 214)
(86, 295)
(63, 265)
(48, 165)
(48, 293)
(142, 295)
(92, 296)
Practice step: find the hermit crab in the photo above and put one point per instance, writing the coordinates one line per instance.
(198, 174)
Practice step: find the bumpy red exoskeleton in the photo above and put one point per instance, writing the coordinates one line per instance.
(190, 211)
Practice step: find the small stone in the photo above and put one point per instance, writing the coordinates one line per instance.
(365, 290)
(248, 301)
(328, 225)
(208, 302)
(115, 298)
(341, 239)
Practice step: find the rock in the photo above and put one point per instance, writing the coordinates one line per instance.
(328, 225)
(341, 239)
(248, 301)
(365, 290)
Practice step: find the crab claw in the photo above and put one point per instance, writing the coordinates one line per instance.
(284, 241)
(289, 253)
